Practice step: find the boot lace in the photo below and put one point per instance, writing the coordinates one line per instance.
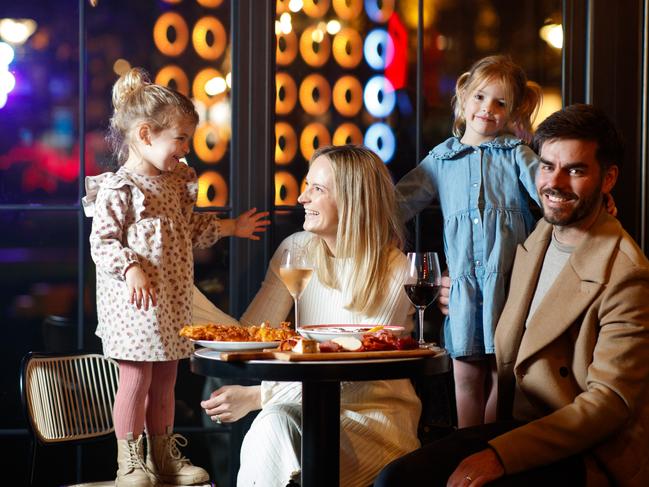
(174, 441)
(134, 455)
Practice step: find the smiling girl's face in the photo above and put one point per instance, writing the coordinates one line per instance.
(485, 112)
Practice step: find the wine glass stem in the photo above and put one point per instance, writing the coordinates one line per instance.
(420, 312)
(297, 326)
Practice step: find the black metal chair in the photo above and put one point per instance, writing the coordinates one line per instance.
(67, 398)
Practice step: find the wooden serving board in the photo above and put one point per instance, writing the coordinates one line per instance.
(322, 356)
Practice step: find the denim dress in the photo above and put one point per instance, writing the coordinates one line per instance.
(484, 194)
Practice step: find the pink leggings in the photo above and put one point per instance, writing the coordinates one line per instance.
(145, 395)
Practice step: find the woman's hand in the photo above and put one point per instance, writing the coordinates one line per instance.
(140, 291)
(231, 403)
(444, 292)
(249, 223)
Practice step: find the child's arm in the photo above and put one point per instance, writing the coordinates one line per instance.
(416, 190)
(245, 225)
(528, 163)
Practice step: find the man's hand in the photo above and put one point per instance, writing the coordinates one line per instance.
(444, 292)
(249, 223)
(140, 291)
(476, 470)
(231, 403)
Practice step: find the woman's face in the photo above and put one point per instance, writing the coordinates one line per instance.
(319, 200)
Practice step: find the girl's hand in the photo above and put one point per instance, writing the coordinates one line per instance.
(249, 223)
(444, 292)
(231, 403)
(140, 291)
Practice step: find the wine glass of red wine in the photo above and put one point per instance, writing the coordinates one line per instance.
(422, 285)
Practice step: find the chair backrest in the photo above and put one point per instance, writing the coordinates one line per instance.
(69, 397)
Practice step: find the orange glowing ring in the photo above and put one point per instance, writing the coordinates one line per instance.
(286, 48)
(315, 104)
(348, 48)
(348, 96)
(209, 3)
(214, 180)
(161, 39)
(198, 86)
(286, 87)
(347, 133)
(204, 26)
(285, 181)
(348, 9)
(312, 55)
(208, 145)
(315, 8)
(282, 6)
(172, 1)
(313, 136)
(173, 73)
(283, 131)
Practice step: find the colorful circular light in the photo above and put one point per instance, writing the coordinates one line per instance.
(212, 179)
(205, 26)
(201, 83)
(380, 138)
(286, 191)
(379, 96)
(348, 96)
(285, 93)
(170, 20)
(379, 49)
(313, 136)
(209, 145)
(348, 48)
(315, 94)
(173, 73)
(315, 53)
(348, 9)
(285, 143)
(286, 48)
(315, 8)
(347, 133)
(379, 11)
(209, 3)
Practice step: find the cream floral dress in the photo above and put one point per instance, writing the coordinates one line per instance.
(149, 221)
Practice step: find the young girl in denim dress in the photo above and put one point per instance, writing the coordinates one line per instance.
(483, 178)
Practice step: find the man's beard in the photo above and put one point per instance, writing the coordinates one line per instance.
(585, 206)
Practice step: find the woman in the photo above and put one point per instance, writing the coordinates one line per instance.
(353, 238)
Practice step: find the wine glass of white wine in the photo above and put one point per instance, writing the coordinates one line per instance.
(422, 285)
(295, 270)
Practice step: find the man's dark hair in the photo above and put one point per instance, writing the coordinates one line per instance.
(583, 122)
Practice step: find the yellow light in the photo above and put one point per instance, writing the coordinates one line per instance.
(16, 31)
(333, 27)
(552, 34)
(295, 5)
(317, 35)
(278, 27)
(215, 86)
(285, 23)
(228, 80)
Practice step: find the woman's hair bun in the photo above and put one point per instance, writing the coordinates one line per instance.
(130, 82)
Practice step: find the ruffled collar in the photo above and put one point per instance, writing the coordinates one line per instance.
(452, 146)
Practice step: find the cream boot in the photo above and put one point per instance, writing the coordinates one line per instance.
(166, 462)
(131, 470)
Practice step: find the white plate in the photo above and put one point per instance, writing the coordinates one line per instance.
(322, 333)
(232, 346)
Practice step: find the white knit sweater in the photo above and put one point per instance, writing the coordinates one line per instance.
(378, 419)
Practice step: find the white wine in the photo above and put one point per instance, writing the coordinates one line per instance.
(295, 279)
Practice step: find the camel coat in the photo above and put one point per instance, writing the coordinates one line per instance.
(582, 364)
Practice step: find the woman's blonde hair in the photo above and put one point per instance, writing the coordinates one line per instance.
(523, 97)
(137, 100)
(368, 227)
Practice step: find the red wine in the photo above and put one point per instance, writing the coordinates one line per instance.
(422, 293)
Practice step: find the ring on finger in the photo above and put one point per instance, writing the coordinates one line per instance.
(468, 478)
(217, 419)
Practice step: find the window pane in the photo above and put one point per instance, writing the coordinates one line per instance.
(39, 161)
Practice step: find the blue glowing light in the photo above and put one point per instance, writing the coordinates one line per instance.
(380, 138)
(378, 49)
(379, 97)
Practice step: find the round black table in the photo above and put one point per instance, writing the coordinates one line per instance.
(320, 396)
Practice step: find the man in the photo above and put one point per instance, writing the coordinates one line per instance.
(572, 343)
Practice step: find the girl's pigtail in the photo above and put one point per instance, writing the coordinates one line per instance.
(458, 104)
(523, 117)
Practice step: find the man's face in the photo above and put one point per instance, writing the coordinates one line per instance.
(570, 182)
